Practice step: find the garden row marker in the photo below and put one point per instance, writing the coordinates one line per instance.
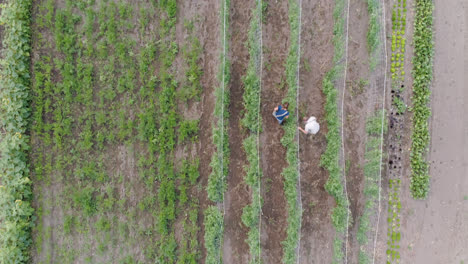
(297, 131)
(258, 133)
(342, 136)
(382, 128)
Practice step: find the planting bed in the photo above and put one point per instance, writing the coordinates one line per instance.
(141, 132)
(317, 230)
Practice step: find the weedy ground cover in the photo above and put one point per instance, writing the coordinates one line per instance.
(106, 123)
(16, 215)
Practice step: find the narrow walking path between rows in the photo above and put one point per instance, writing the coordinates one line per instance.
(275, 50)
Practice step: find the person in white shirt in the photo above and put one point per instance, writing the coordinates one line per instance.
(311, 126)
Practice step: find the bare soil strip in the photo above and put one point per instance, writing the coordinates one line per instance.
(435, 230)
(274, 219)
(237, 196)
(208, 32)
(317, 231)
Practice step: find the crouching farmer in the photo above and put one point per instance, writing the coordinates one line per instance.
(281, 113)
(311, 126)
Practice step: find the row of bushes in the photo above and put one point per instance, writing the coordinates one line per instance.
(422, 75)
(291, 173)
(330, 159)
(214, 219)
(252, 122)
(16, 214)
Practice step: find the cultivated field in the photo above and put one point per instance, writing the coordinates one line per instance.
(142, 131)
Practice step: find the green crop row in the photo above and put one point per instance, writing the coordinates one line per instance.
(422, 75)
(398, 47)
(220, 159)
(330, 159)
(291, 173)
(253, 123)
(214, 230)
(373, 31)
(16, 216)
(214, 222)
(372, 167)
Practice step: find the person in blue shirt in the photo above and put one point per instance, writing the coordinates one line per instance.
(281, 112)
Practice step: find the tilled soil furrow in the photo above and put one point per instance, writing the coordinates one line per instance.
(237, 196)
(273, 154)
(209, 35)
(317, 231)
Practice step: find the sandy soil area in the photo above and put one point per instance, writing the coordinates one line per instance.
(436, 230)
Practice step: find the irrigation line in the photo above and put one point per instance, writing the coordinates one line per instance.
(297, 131)
(382, 127)
(260, 3)
(342, 135)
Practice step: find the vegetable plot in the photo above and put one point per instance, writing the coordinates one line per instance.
(330, 160)
(291, 173)
(422, 75)
(16, 216)
(214, 222)
(252, 122)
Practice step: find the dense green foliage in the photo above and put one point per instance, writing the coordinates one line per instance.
(16, 213)
(220, 159)
(252, 122)
(373, 32)
(422, 75)
(291, 173)
(330, 160)
(214, 222)
(214, 228)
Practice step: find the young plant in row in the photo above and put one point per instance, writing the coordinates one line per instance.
(252, 122)
(214, 219)
(291, 172)
(372, 168)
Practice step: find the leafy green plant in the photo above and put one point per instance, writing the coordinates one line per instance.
(16, 216)
(220, 159)
(422, 76)
(252, 122)
(214, 228)
(290, 173)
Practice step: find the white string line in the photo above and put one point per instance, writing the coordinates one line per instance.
(297, 131)
(342, 135)
(382, 127)
(222, 109)
(260, 3)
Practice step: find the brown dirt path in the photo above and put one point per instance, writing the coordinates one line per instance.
(237, 196)
(358, 99)
(317, 231)
(274, 219)
(435, 231)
